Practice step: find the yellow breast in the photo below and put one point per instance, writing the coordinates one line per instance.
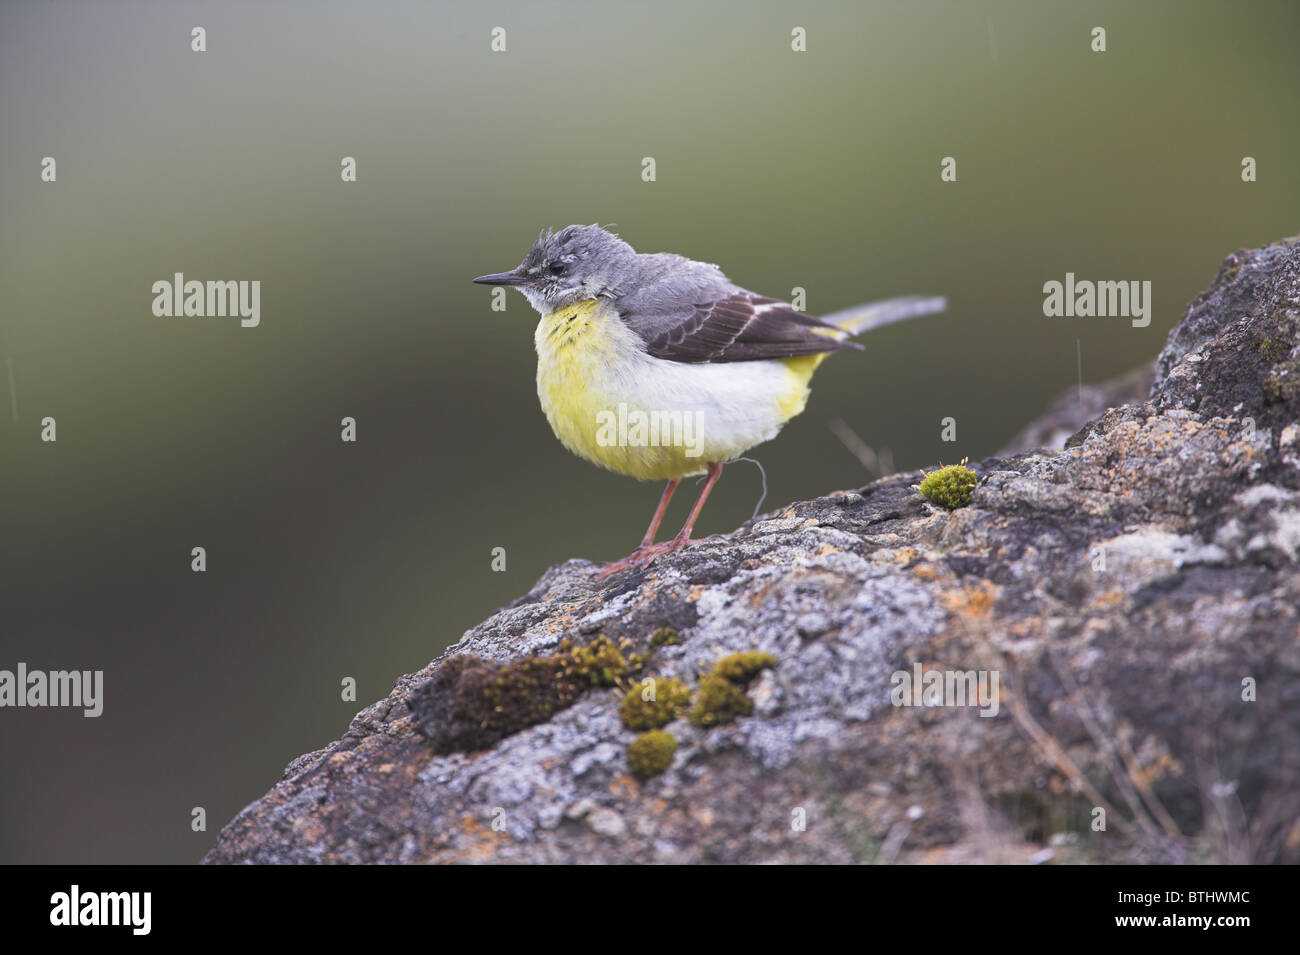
(592, 367)
(577, 346)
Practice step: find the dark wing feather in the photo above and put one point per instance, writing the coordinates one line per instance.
(742, 326)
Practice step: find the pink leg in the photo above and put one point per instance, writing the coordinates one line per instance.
(649, 550)
(684, 535)
(646, 552)
(653, 529)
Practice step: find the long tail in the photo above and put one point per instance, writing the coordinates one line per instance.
(865, 318)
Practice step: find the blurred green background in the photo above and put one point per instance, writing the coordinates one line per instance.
(328, 560)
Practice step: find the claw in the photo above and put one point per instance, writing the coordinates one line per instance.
(644, 556)
(639, 558)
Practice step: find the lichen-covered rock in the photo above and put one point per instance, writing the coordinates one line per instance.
(1131, 602)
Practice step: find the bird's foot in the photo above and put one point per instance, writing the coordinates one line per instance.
(645, 554)
(635, 560)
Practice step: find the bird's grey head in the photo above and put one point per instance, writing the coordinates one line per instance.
(578, 262)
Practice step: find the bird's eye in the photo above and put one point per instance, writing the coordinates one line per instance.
(558, 268)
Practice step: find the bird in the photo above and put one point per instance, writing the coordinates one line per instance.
(658, 367)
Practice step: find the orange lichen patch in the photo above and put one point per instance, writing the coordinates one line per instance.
(624, 787)
(484, 851)
(971, 601)
(925, 572)
(696, 592)
(825, 549)
(1028, 627)
(703, 816)
(1109, 599)
(1171, 439)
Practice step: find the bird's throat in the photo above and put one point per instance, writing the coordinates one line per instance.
(565, 326)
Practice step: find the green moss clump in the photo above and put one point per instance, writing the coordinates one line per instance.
(719, 701)
(721, 697)
(638, 713)
(665, 637)
(651, 753)
(471, 703)
(740, 668)
(949, 487)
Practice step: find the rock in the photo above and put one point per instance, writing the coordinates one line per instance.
(1076, 407)
(1135, 593)
(606, 822)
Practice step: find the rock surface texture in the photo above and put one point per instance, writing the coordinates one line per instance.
(1137, 593)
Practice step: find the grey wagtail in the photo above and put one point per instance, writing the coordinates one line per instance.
(658, 367)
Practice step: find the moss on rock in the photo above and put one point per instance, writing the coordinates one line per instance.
(721, 696)
(471, 703)
(949, 487)
(740, 668)
(667, 697)
(719, 701)
(651, 753)
(664, 637)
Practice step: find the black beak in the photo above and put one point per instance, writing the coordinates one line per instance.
(513, 277)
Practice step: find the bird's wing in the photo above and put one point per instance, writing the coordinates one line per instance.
(735, 326)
